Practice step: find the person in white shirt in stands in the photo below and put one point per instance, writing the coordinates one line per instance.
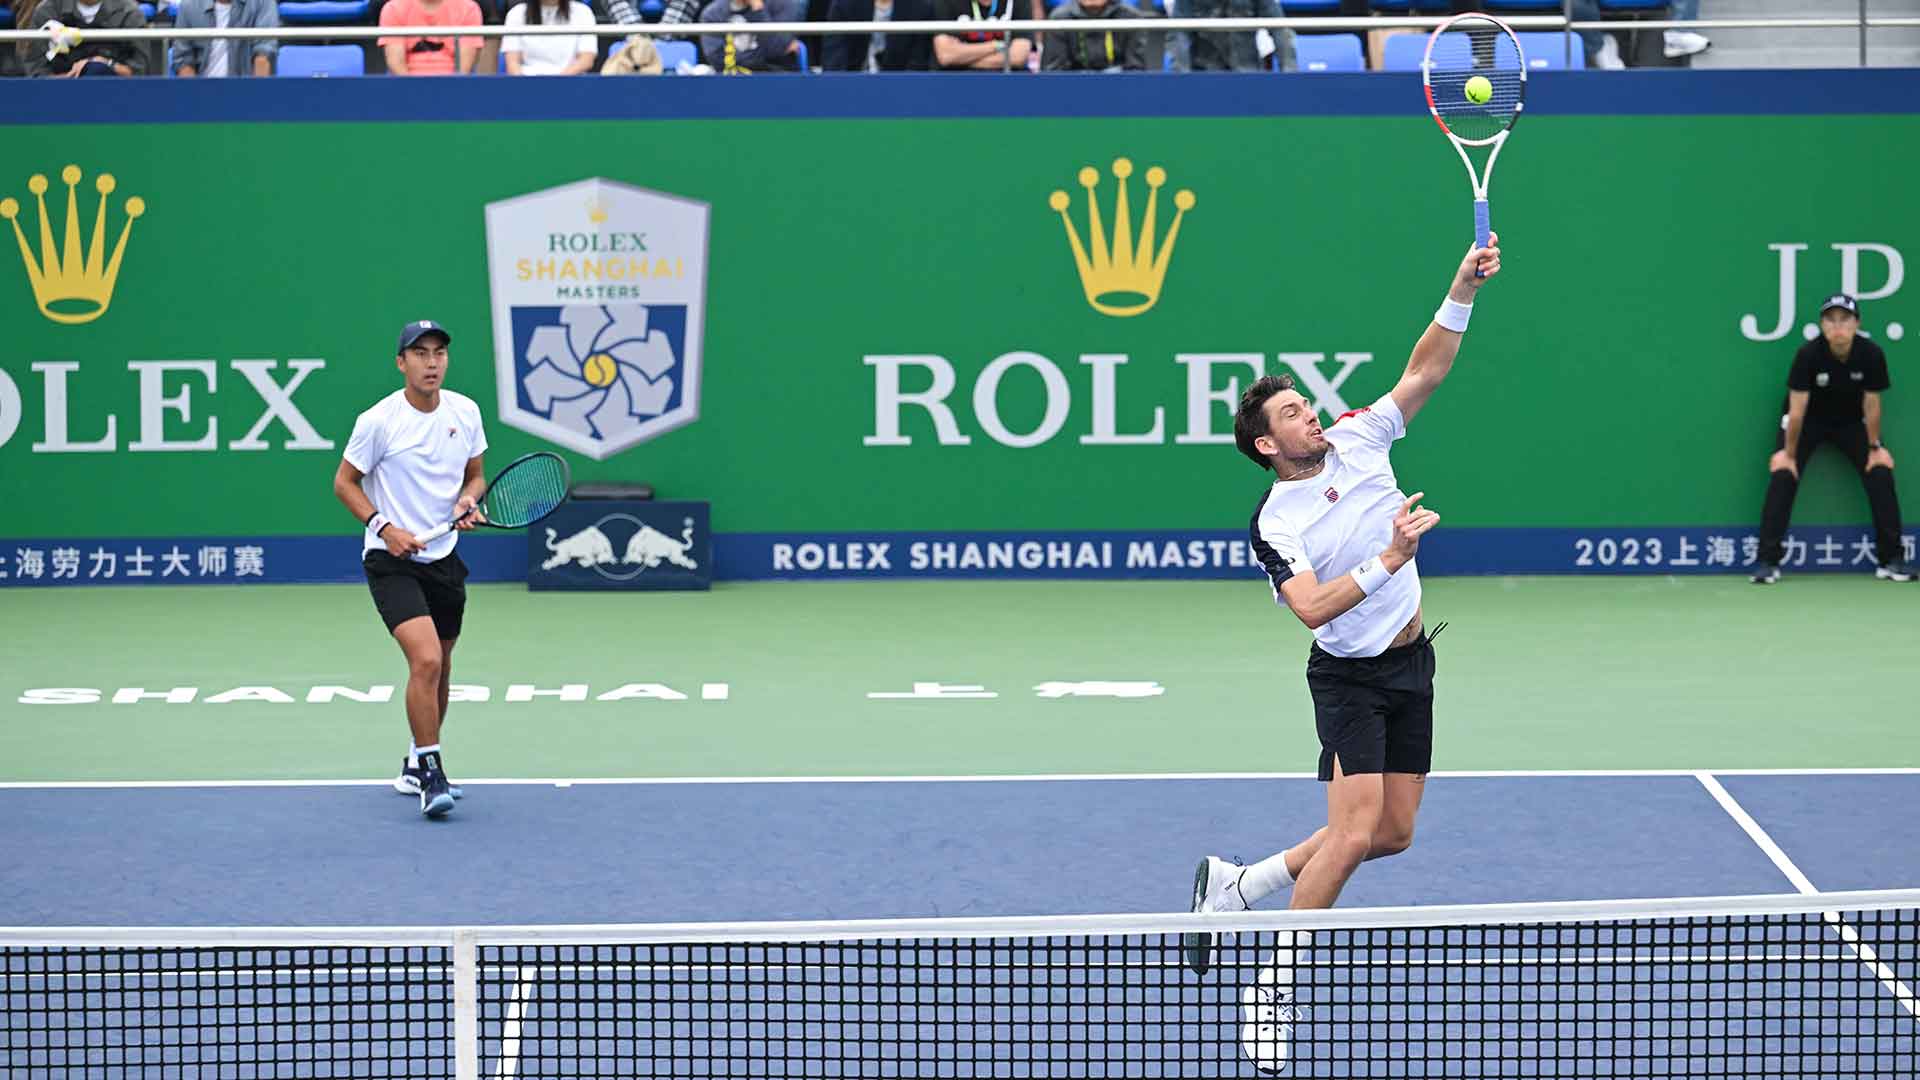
(413, 463)
(550, 54)
(1337, 538)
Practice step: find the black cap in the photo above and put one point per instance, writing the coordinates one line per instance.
(1842, 301)
(414, 331)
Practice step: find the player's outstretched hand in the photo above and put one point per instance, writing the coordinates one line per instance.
(1476, 269)
(1412, 522)
(1783, 461)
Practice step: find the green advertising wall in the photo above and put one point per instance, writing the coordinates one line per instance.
(1607, 379)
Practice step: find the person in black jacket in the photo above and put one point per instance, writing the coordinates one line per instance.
(879, 52)
(1833, 396)
(1109, 51)
(89, 57)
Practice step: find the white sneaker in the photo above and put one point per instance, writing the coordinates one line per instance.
(1268, 1012)
(1679, 43)
(1216, 887)
(1608, 58)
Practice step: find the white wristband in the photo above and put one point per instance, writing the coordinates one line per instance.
(1370, 575)
(377, 522)
(1453, 316)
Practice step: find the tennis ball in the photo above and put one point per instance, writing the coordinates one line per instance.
(1479, 90)
(599, 370)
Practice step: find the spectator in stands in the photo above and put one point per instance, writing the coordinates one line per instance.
(223, 58)
(1679, 43)
(550, 54)
(738, 54)
(980, 50)
(430, 55)
(878, 52)
(1227, 51)
(88, 57)
(1833, 396)
(1603, 51)
(682, 11)
(1063, 50)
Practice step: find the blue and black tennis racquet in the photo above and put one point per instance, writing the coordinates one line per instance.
(527, 490)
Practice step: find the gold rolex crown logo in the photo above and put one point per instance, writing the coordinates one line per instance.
(1122, 279)
(71, 286)
(596, 211)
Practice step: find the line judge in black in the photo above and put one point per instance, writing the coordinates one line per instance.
(1833, 396)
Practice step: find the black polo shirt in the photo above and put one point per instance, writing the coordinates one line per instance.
(1836, 389)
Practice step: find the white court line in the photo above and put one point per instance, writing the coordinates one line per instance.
(509, 1064)
(982, 778)
(1902, 993)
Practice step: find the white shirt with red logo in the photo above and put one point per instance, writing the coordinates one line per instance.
(1336, 519)
(416, 463)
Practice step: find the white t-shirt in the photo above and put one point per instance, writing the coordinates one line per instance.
(1333, 521)
(416, 462)
(549, 54)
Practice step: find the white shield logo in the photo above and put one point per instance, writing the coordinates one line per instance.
(599, 302)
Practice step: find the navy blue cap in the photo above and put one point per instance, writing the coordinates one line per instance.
(1842, 301)
(414, 331)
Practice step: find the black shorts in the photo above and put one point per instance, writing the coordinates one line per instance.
(404, 589)
(1375, 713)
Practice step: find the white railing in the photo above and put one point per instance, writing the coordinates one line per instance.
(1562, 22)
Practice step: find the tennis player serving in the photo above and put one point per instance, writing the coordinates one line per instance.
(1338, 540)
(413, 463)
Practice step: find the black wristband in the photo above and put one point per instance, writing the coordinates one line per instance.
(1876, 445)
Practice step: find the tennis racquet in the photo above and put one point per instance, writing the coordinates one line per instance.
(1461, 49)
(527, 490)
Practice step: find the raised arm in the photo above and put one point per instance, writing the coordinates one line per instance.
(1433, 354)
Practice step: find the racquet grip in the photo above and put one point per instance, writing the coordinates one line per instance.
(1482, 227)
(435, 533)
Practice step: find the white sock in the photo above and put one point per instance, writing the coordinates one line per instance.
(434, 749)
(1264, 878)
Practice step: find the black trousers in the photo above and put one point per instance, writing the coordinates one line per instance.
(1851, 440)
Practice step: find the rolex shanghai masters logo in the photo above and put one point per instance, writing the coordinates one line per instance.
(1120, 274)
(73, 276)
(599, 296)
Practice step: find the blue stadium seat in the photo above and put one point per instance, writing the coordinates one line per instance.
(673, 52)
(6, 16)
(1328, 52)
(1547, 51)
(1402, 52)
(323, 12)
(1523, 5)
(651, 10)
(147, 10)
(1310, 7)
(339, 61)
(800, 58)
(1633, 5)
(1404, 7)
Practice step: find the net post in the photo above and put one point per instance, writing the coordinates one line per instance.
(466, 1004)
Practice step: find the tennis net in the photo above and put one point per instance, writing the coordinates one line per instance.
(1790, 986)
